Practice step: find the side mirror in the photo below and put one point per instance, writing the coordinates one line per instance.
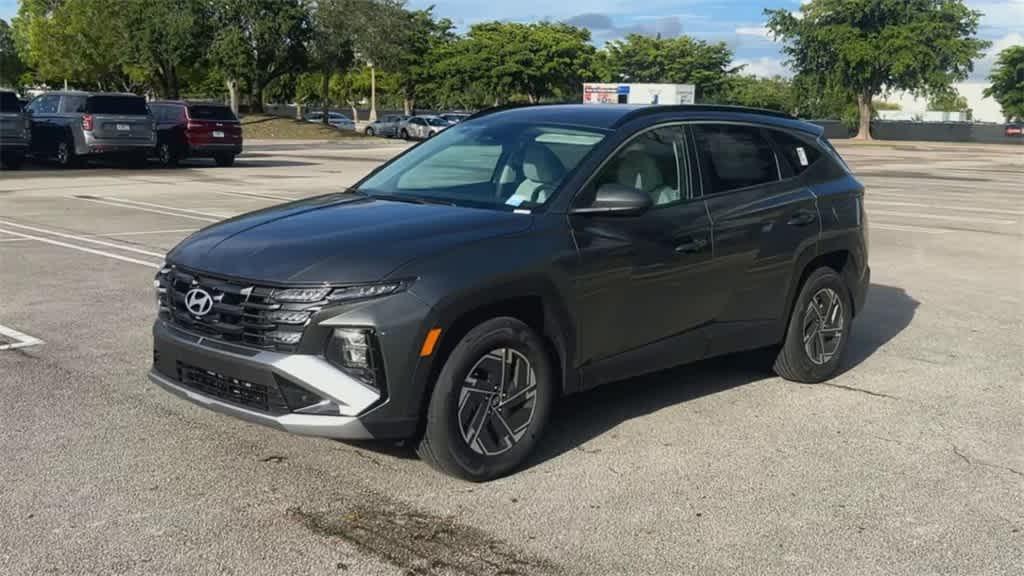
(617, 200)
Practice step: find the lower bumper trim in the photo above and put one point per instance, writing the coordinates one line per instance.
(337, 427)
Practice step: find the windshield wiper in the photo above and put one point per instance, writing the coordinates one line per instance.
(410, 199)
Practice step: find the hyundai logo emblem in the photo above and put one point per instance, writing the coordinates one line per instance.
(199, 302)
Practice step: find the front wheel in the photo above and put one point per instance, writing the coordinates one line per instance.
(369, 132)
(405, 134)
(819, 330)
(490, 403)
(224, 159)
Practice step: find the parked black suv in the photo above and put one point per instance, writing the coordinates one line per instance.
(525, 254)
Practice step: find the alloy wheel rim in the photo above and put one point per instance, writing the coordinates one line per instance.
(165, 154)
(62, 153)
(823, 326)
(497, 402)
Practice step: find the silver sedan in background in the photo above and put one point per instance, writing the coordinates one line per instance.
(423, 127)
(387, 126)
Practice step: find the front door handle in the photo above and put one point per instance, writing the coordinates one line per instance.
(693, 246)
(803, 218)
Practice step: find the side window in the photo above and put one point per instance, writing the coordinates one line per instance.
(46, 104)
(73, 104)
(159, 112)
(798, 154)
(652, 163)
(734, 157)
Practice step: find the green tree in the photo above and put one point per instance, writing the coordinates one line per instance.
(1008, 82)
(769, 93)
(258, 41)
(681, 60)
(76, 41)
(165, 39)
(498, 61)
(11, 66)
(870, 46)
(421, 41)
(950, 101)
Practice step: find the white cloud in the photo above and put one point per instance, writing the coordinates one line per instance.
(983, 67)
(985, 109)
(765, 67)
(759, 31)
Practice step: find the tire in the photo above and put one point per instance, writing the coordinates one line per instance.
(224, 159)
(369, 132)
(66, 156)
(405, 134)
(820, 358)
(466, 390)
(167, 155)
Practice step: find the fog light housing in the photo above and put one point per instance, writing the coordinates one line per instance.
(355, 351)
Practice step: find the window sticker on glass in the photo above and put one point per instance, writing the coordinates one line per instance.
(802, 154)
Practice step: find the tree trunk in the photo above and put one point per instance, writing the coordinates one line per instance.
(407, 106)
(256, 103)
(325, 89)
(298, 110)
(864, 109)
(355, 113)
(233, 92)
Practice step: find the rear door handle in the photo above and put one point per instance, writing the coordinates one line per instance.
(802, 218)
(693, 246)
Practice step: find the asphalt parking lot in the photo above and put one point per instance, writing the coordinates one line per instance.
(910, 462)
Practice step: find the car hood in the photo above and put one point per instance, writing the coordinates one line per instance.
(339, 238)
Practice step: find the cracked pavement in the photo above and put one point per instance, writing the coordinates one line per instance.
(910, 462)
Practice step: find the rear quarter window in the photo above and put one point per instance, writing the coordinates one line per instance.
(9, 102)
(208, 112)
(130, 105)
(799, 154)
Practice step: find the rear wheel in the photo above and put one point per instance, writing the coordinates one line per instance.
(66, 156)
(167, 154)
(819, 330)
(224, 159)
(491, 402)
(405, 134)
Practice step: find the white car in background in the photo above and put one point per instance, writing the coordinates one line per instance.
(336, 119)
(423, 127)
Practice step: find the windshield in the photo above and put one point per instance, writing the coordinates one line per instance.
(484, 164)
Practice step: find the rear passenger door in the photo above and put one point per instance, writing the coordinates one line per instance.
(762, 218)
(45, 128)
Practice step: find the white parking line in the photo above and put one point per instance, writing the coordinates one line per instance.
(20, 340)
(256, 195)
(951, 218)
(145, 232)
(871, 202)
(82, 239)
(154, 210)
(151, 205)
(81, 249)
(926, 230)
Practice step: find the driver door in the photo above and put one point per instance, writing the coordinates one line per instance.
(638, 281)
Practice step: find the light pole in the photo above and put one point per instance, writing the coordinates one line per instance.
(373, 93)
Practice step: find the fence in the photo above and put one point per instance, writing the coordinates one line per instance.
(926, 132)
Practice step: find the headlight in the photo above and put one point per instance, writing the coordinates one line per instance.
(343, 294)
(160, 290)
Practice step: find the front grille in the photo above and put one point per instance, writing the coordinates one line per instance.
(241, 314)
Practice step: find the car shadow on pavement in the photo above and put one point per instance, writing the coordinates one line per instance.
(580, 418)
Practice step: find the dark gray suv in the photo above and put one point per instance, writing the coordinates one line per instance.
(71, 126)
(526, 254)
(14, 131)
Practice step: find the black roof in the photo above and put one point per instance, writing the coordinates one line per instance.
(611, 116)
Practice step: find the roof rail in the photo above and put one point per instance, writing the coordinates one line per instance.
(650, 110)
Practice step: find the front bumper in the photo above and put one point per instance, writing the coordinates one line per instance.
(175, 349)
